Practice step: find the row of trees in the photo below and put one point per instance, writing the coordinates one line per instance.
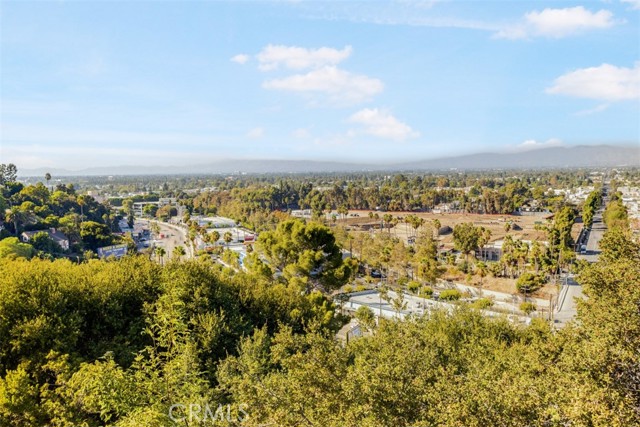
(591, 205)
(252, 199)
(615, 214)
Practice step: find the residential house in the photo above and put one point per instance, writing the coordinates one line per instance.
(55, 235)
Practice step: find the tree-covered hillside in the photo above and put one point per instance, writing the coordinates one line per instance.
(120, 342)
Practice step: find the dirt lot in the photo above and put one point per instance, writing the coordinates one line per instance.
(495, 223)
(525, 230)
(497, 284)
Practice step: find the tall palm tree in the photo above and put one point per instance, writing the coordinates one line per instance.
(437, 225)
(81, 202)
(481, 268)
(228, 237)
(179, 251)
(387, 221)
(155, 228)
(47, 176)
(16, 216)
(161, 252)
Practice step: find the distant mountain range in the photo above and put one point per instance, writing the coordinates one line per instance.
(551, 157)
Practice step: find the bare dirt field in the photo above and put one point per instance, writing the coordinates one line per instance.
(524, 225)
(498, 284)
(524, 229)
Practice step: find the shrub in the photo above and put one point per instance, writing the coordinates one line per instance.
(464, 267)
(348, 289)
(361, 288)
(413, 286)
(482, 303)
(495, 269)
(450, 295)
(528, 307)
(426, 292)
(529, 282)
(365, 317)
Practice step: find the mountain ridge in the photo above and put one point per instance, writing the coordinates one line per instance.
(542, 158)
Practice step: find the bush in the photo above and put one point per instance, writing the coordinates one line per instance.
(361, 288)
(413, 286)
(365, 316)
(426, 292)
(463, 267)
(529, 282)
(528, 307)
(495, 269)
(348, 289)
(482, 303)
(450, 295)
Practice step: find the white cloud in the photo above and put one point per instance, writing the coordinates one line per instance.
(301, 133)
(532, 144)
(241, 58)
(339, 85)
(298, 58)
(255, 133)
(635, 4)
(594, 110)
(606, 82)
(382, 124)
(558, 23)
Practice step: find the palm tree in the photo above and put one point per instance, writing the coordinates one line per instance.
(481, 268)
(419, 223)
(387, 221)
(15, 216)
(398, 304)
(178, 252)
(437, 225)
(161, 252)
(47, 176)
(394, 222)
(215, 236)
(155, 228)
(228, 237)
(81, 202)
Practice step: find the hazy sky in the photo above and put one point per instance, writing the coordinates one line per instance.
(86, 83)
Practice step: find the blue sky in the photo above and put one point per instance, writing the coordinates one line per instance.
(87, 83)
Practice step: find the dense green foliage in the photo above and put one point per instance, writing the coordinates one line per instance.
(615, 214)
(591, 205)
(307, 251)
(86, 223)
(119, 342)
(469, 238)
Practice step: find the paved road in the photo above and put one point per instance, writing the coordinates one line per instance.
(174, 236)
(598, 229)
(593, 243)
(567, 307)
